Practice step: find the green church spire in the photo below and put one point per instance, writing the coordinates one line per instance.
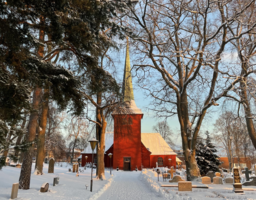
(127, 82)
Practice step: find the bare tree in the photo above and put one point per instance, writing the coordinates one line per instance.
(77, 128)
(164, 129)
(179, 45)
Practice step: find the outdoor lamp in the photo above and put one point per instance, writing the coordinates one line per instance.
(93, 143)
(110, 155)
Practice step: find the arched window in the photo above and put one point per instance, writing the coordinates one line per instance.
(160, 161)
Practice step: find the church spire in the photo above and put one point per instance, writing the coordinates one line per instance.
(127, 82)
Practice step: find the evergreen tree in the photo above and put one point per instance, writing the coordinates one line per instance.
(206, 157)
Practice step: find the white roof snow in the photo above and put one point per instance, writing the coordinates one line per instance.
(109, 140)
(156, 144)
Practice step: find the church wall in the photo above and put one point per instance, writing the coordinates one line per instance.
(166, 163)
(127, 140)
(106, 157)
(145, 156)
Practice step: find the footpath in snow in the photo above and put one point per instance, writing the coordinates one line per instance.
(129, 186)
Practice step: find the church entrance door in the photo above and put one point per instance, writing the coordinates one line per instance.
(127, 163)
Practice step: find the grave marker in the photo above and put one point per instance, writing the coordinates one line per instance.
(55, 181)
(217, 180)
(51, 166)
(211, 175)
(217, 174)
(237, 184)
(250, 183)
(206, 180)
(15, 188)
(247, 172)
(229, 180)
(171, 171)
(44, 187)
(185, 186)
(176, 179)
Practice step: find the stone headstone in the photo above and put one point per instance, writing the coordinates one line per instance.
(15, 188)
(229, 180)
(75, 168)
(44, 187)
(51, 166)
(251, 182)
(55, 181)
(171, 171)
(69, 170)
(217, 180)
(237, 184)
(217, 174)
(176, 179)
(184, 186)
(247, 172)
(206, 180)
(211, 174)
(156, 164)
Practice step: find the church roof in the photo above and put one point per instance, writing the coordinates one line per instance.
(155, 143)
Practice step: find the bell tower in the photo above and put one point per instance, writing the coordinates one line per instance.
(127, 125)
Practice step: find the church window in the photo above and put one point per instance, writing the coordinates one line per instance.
(160, 161)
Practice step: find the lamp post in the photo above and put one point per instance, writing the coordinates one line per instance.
(93, 143)
(230, 152)
(110, 155)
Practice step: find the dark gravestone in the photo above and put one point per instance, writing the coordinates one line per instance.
(55, 181)
(51, 166)
(250, 183)
(247, 172)
(44, 187)
(237, 184)
(211, 174)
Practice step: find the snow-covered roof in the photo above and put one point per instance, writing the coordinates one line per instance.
(109, 138)
(156, 144)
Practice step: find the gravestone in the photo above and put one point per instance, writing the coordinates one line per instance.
(176, 179)
(217, 180)
(51, 166)
(15, 188)
(250, 182)
(171, 171)
(55, 181)
(247, 172)
(44, 187)
(69, 170)
(156, 164)
(75, 167)
(237, 184)
(217, 174)
(206, 180)
(211, 175)
(229, 180)
(184, 186)
(18, 165)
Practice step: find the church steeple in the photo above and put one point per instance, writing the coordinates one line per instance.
(127, 82)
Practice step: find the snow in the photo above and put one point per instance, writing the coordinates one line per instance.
(156, 144)
(121, 185)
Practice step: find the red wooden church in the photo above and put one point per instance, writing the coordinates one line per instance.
(130, 147)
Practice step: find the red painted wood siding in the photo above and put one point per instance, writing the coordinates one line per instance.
(127, 140)
(106, 157)
(166, 163)
(145, 156)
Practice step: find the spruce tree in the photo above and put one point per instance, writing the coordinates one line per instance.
(207, 159)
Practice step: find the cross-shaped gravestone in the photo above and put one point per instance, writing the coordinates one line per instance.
(247, 172)
(171, 171)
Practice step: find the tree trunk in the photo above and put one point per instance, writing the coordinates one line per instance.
(73, 149)
(41, 136)
(17, 151)
(25, 173)
(98, 128)
(248, 114)
(101, 149)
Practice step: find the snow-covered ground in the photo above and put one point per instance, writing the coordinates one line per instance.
(70, 186)
(121, 186)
